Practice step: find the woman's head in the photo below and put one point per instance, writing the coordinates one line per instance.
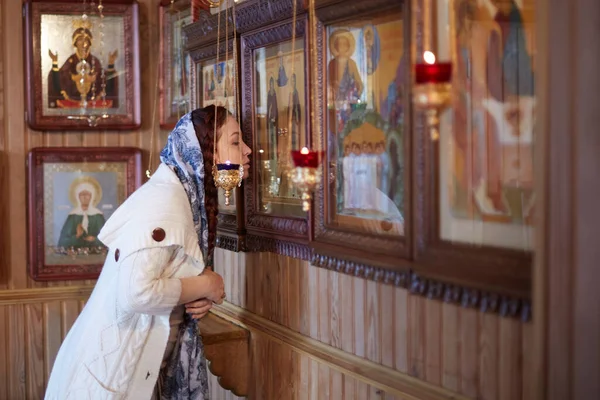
(84, 194)
(230, 146)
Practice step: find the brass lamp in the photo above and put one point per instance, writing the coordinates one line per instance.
(305, 174)
(432, 91)
(227, 176)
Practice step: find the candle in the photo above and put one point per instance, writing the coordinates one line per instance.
(305, 158)
(432, 72)
(227, 166)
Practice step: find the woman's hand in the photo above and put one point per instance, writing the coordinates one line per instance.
(199, 308)
(216, 287)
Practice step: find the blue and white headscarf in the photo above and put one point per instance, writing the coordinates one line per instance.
(185, 376)
(184, 155)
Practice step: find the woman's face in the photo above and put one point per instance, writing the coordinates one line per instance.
(230, 143)
(83, 46)
(85, 197)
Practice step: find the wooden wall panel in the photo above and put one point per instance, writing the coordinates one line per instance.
(478, 355)
(30, 336)
(16, 138)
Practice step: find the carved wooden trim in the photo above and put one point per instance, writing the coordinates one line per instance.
(391, 381)
(44, 295)
(255, 243)
(501, 270)
(37, 157)
(231, 242)
(210, 51)
(432, 288)
(335, 10)
(376, 250)
(250, 15)
(130, 118)
(296, 229)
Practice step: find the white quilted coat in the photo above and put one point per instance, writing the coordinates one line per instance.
(115, 348)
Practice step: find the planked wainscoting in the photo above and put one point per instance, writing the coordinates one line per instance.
(33, 324)
(477, 355)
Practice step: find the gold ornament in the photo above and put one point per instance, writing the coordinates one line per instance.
(433, 98)
(228, 178)
(306, 180)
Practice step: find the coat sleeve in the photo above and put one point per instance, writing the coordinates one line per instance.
(143, 284)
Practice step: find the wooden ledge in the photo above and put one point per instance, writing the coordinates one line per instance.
(44, 295)
(389, 380)
(227, 350)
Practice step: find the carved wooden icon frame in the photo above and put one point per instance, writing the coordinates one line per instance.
(489, 276)
(492, 279)
(56, 177)
(281, 234)
(348, 248)
(231, 226)
(169, 14)
(52, 99)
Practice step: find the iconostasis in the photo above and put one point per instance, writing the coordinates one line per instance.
(391, 140)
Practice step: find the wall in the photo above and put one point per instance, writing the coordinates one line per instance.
(31, 330)
(480, 356)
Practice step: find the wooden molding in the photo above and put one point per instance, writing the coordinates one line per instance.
(387, 379)
(44, 295)
(226, 346)
(415, 278)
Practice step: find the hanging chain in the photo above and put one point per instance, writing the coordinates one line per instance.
(314, 95)
(291, 94)
(102, 73)
(93, 59)
(217, 65)
(235, 76)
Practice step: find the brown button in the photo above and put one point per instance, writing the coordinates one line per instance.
(158, 234)
(117, 253)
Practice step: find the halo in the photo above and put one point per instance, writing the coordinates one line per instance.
(85, 179)
(337, 34)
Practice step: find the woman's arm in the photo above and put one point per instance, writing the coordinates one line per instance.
(209, 285)
(144, 288)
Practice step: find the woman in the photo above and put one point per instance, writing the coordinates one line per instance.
(85, 221)
(129, 335)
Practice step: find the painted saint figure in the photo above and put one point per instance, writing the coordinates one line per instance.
(85, 221)
(296, 111)
(79, 81)
(371, 39)
(212, 86)
(344, 78)
(206, 86)
(272, 117)
(282, 78)
(502, 100)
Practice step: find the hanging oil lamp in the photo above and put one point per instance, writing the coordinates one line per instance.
(431, 92)
(306, 174)
(227, 175)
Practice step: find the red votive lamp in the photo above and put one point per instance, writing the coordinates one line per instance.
(432, 72)
(305, 158)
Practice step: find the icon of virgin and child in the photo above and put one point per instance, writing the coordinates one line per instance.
(84, 222)
(81, 81)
